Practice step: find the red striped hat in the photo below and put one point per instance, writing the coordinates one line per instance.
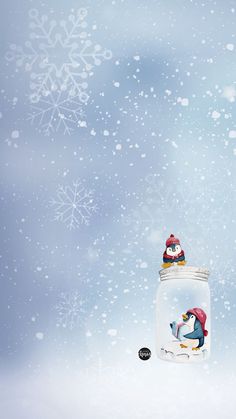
(172, 240)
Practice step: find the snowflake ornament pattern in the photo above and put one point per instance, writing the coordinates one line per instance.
(70, 308)
(60, 57)
(74, 205)
(57, 109)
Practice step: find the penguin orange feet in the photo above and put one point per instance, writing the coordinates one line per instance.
(195, 349)
(183, 346)
(166, 265)
(182, 262)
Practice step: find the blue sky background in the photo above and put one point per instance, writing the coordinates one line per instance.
(154, 146)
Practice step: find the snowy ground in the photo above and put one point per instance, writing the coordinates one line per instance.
(172, 350)
(153, 389)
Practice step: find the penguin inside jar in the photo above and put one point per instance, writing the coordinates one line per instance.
(192, 330)
(173, 253)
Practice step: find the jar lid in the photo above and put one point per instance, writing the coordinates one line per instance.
(184, 272)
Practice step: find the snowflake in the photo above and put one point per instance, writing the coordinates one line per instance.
(57, 109)
(69, 309)
(74, 205)
(59, 56)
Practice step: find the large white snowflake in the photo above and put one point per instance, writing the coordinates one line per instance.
(57, 109)
(74, 205)
(70, 308)
(60, 57)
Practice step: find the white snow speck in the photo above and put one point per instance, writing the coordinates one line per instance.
(15, 134)
(185, 102)
(118, 146)
(229, 93)
(232, 134)
(82, 124)
(93, 132)
(230, 47)
(105, 133)
(39, 268)
(143, 265)
(174, 144)
(136, 57)
(112, 332)
(39, 335)
(116, 84)
(215, 115)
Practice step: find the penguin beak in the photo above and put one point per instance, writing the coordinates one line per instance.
(185, 317)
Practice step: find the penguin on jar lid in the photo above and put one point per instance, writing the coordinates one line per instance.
(173, 253)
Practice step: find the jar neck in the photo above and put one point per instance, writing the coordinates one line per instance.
(184, 272)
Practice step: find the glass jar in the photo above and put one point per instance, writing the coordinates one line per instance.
(183, 314)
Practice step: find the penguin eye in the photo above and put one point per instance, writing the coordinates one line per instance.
(169, 248)
(191, 317)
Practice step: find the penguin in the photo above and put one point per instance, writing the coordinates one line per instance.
(195, 318)
(173, 252)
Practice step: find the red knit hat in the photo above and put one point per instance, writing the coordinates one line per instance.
(172, 240)
(201, 316)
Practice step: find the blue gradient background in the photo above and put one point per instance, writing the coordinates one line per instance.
(174, 173)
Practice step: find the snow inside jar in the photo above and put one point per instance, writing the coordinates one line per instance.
(183, 314)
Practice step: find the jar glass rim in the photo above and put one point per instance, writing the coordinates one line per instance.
(184, 272)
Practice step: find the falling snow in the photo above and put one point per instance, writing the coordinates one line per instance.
(153, 147)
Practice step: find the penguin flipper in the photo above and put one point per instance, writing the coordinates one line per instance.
(196, 333)
(192, 335)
